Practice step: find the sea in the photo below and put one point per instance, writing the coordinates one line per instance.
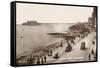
(31, 37)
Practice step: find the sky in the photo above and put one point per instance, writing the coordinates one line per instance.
(52, 13)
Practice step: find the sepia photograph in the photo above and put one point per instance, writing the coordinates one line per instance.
(52, 34)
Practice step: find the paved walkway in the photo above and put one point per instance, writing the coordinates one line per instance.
(76, 54)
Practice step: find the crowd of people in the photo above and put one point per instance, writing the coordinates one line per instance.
(36, 60)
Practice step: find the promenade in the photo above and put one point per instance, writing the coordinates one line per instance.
(76, 54)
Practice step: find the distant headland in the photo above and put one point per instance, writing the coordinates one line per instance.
(31, 23)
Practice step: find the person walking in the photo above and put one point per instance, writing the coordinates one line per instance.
(92, 52)
(42, 60)
(33, 59)
(38, 60)
(89, 57)
(51, 52)
(61, 44)
(45, 58)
